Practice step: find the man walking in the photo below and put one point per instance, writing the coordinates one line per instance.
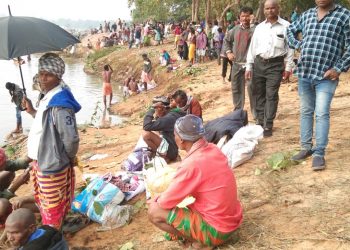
(271, 56)
(236, 44)
(325, 53)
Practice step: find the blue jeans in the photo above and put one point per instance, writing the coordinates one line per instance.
(315, 99)
(18, 116)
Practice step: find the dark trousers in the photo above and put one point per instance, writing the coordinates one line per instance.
(266, 82)
(225, 62)
(238, 89)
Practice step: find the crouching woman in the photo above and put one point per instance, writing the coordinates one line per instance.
(204, 174)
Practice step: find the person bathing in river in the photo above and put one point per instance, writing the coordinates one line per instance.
(107, 86)
(204, 174)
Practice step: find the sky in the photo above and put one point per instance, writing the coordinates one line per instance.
(71, 9)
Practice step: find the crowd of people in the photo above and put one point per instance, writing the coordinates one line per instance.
(261, 56)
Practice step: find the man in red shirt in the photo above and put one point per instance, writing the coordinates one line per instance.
(205, 175)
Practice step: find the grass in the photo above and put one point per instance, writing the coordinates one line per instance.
(92, 58)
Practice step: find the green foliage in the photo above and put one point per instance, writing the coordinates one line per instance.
(281, 160)
(192, 71)
(11, 150)
(160, 10)
(93, 57)
(178, 10)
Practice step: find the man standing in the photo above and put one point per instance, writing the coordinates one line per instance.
(107, 86)
(325, 53)
(236, 44)
(16, 97)
(53, 142)
(271, 56)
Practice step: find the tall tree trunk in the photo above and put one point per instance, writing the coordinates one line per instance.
(260, 12)
(196, 10)
(193, 9)
(207, 15)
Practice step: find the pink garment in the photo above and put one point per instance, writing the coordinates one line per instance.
(205, 175)
(201, 42)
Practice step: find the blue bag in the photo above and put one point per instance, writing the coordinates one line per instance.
(93, 199)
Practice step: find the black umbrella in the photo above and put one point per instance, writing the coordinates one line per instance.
(27, 35)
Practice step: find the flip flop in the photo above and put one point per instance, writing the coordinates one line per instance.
(75, 223)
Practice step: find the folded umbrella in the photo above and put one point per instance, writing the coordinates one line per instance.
(22, 35)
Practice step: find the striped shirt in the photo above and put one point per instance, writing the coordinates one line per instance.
(325, 44)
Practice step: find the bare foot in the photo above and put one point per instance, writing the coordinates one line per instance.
(223, 81)
(17, 131)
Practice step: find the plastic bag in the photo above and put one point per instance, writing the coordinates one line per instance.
(136, 159)
(158, 176)
(93, 199)
(115, 216)
(241, 147)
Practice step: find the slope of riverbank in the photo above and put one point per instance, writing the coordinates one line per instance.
(294, 208)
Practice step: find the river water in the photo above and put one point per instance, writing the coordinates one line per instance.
(85, 88)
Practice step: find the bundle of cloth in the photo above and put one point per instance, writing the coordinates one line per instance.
(226, 125)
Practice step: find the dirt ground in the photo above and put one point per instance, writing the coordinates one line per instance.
(294, 208)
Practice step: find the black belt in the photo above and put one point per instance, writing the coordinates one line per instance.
(271, 60)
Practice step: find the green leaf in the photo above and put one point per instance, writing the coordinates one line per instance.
(275, 161)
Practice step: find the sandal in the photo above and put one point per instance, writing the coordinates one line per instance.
(75, 223)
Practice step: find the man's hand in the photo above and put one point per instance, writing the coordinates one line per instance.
(248, 75)
(331, 74)
(230, 56)
(18, 203)
(159, 109)
(285, 77)
(20, 180)
(27, 104)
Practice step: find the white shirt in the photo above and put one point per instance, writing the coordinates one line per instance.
(37, 126)
(214, 30)
(269, 41)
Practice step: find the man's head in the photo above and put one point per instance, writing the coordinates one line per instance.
(3, 159)
(188, 130)
(5, 210)
(106, 67)
(244, 16)
(271, 9)
(20, 224)
(324, 3)
(180, 98)
(10, 86)
(51, 70)
(216, 22)
(161, 105)
(144, 56)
